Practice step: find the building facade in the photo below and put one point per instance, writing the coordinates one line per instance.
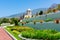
(28, 14)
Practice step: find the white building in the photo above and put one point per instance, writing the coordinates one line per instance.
(28, 14)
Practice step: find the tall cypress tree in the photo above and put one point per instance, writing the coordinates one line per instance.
(41, 12)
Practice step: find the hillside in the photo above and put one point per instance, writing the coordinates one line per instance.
(33, 12)
(44, 17)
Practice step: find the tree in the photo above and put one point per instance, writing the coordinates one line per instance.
(34, 22)
(0, 22)
(5, 20)
(41, 21)
(41, 12)
(54, 10)
(14, 20)
(57, 21)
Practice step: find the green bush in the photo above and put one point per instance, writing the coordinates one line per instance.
(57, 35)
(27, 21)
(51, 37)
(26, 34)
(50, 31)
(44, 34)
(20, 29)
(34, 22)
(48, 19)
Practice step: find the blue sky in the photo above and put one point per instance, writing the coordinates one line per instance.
(10, 7)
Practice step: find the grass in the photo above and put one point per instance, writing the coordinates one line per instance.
(14, 34)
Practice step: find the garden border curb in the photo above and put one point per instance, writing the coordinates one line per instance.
(10, 34)
(27, 38)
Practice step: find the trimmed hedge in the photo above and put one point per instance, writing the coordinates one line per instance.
(48, 19)
(42, 34)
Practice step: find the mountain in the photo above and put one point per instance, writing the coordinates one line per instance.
(33, 12)
(55, 6)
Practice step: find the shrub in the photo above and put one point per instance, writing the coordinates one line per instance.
(34, 22)
(27, 21)
(57, 35)
(51, 37)
(14, 31)
(57, 21)
(48, 19)
(20, 29)
(44, 35)
(50, 31)
(41, 21)
(38, 34)
(26, 34)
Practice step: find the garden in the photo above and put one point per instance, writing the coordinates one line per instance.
(41, 34)
(16, 30)
(30, 33)
(40, 28)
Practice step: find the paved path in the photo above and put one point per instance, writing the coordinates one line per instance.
(4, 35)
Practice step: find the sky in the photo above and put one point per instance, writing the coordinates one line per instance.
(10, 7)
